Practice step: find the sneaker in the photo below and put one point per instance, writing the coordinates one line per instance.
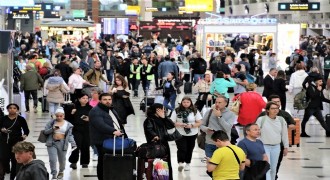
(27, 111)
(35, 110)
(95, 157)
(73, 165)
(54, 177)
(84, 165)
(187, 167)
(60, 175)
(304, 135)
(180, 168)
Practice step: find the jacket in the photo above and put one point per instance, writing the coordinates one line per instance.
(68, 135)
(165, 67)
(56, 87)
(65, 70)
(315, 97)
(34, 170)
(93, 76)
(221, 85)
(268, 86)
(101, 124)
(202, 87)
(31, 81)
(287, 117)
(156, 126)
(113, 63)
(296, 80)
(199, 66)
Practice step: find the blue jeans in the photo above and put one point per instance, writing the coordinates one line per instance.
(170, 100)
(110, 73)
(197, 77)
(273, 152)
(209, 150)
(53, 107)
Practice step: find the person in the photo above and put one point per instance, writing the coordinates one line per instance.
(155, 126)
(93, 102)
(31, 169)
(14, 129)
(252, 147)
(121, 102)
(240, 79)
(315, 97)
(272, 63)
(296, 80)
(170, 88)
(202, 87)
(198, 68)
(64, 68)
(251, 106)
(227, 160)
(59, 135)
(104, 123)
(80, 132)
(146, 75)
(220, 85)
(76, 83)
(289, 121)
(273, 131)
(280, 87)
(56, 88)
(221, 118)
(110, 64)
(31, 81)
(269, 83)
(94, 75)
(135, 76)
(187, 120)
(166, 67)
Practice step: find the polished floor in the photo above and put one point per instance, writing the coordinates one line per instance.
(310, 161)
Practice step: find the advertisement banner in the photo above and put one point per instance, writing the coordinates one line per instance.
(198, 6)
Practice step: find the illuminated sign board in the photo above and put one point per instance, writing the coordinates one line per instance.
(162, 25)
(122, 26)
(198, 6)
(78, 13)
(12, 3)
(46, 10)
(313, 6)
(252, 21)
(21, 16)
(115, 25)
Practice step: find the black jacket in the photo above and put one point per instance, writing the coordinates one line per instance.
(199, 65)
(113, 63)
(65, 70)
(268, 86)
(101, 125)
(316, 97)
(156, 126)
(35, 170)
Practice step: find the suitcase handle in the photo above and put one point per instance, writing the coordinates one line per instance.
(114, 145)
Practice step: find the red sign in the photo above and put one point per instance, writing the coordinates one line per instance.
(158, 26)
(133, 27)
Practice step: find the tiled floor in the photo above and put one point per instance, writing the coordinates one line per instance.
(310, 161)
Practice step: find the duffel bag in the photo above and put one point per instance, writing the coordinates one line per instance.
(128, 144)
(151, 151)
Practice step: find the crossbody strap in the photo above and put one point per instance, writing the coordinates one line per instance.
(208, 118)
(237, 159)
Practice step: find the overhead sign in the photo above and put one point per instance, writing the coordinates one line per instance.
(122, 26)
(133, 10)
(198, 6)
(115, 25)
(21, 16)
(149, 9)
(11, 3)
(78, 13)
(313, 6)
(161, 25)
(252, 21)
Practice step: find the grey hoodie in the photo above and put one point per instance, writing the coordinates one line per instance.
(34, 170)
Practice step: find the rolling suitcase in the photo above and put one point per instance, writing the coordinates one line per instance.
(119, 167)
(327, 121)
(44, 104)
(294, 135)
(17, 99)
(187, 87)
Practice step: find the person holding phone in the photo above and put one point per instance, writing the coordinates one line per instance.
(59, 135)
(80, 132)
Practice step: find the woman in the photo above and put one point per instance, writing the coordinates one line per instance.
(220, 85)
(59, 132)
(155, 127)
(187, 120)
(251, 106)
(76, 83)
(95, 98)
(280, 87)
(13, 129)
(56, 87)
(272, 63)
(80, 132)
(170, 87)
(297, 78)
(121, 102)
(202, 87)
(174, 53)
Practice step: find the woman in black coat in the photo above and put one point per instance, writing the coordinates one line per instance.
(280, 88)
(155, 127)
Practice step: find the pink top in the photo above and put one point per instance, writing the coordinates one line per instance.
(93, 103)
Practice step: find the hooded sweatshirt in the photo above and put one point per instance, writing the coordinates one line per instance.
(56, 87)
(221, 85)
(296, 80)
(34, 170)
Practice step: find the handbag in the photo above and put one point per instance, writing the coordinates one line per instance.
(202, 135)
(128, 144)
(172, 134)
(42, 137)
(236, 105)
(151, 150)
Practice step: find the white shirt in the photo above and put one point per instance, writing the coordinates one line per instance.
(76, 81)
(192, 118)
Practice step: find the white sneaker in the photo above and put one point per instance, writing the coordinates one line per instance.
(187, 167)
(95, 157)
(180, 167)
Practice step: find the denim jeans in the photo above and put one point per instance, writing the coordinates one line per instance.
(197, 77)
(145, 85)
(56, 152)
(53, 107)
(209, 150)
(273, 152)
(170, 100)
(110, 73)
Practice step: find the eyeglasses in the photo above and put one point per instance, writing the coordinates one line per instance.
(274, 108)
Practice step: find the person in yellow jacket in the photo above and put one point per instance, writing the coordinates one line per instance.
(135, 76)
(146, 75)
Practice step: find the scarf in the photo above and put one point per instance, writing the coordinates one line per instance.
(184, 115)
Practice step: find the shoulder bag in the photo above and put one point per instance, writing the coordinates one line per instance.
(201, 136)
(236, 105)
(42, 136)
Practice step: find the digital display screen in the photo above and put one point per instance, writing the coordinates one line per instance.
(122, 26)
(109, 26)
(11, 3)
(314, 6)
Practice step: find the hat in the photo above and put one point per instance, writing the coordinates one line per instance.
(59, 110)
(318, 78)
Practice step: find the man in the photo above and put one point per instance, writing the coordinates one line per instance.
(198, 68)
(104, 123)
(31, 81)
(315, 97)
(146, 75)
(289, 121)
(221, 118)
(162, 50)
(34, 63)
(166, 67)
(269, 83)
(240, 80)
(227, 160)
(134, 76)
(110, 64)
(32, 169)
(273, 131)
(252, 61)
(252, 146)
(65, 69)
(94, 75)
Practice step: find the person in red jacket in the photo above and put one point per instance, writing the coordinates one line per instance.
(252, 104)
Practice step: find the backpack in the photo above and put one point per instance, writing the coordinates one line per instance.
(287, 60)
(84, 66)
(300, 102)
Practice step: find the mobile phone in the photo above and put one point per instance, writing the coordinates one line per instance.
(83, 116)
(57, 127)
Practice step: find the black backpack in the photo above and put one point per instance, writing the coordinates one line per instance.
(287, 60)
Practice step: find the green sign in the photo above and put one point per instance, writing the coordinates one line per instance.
(78, 13)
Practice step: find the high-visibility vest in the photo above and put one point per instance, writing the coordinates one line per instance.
(150, 76)
(138, 76)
